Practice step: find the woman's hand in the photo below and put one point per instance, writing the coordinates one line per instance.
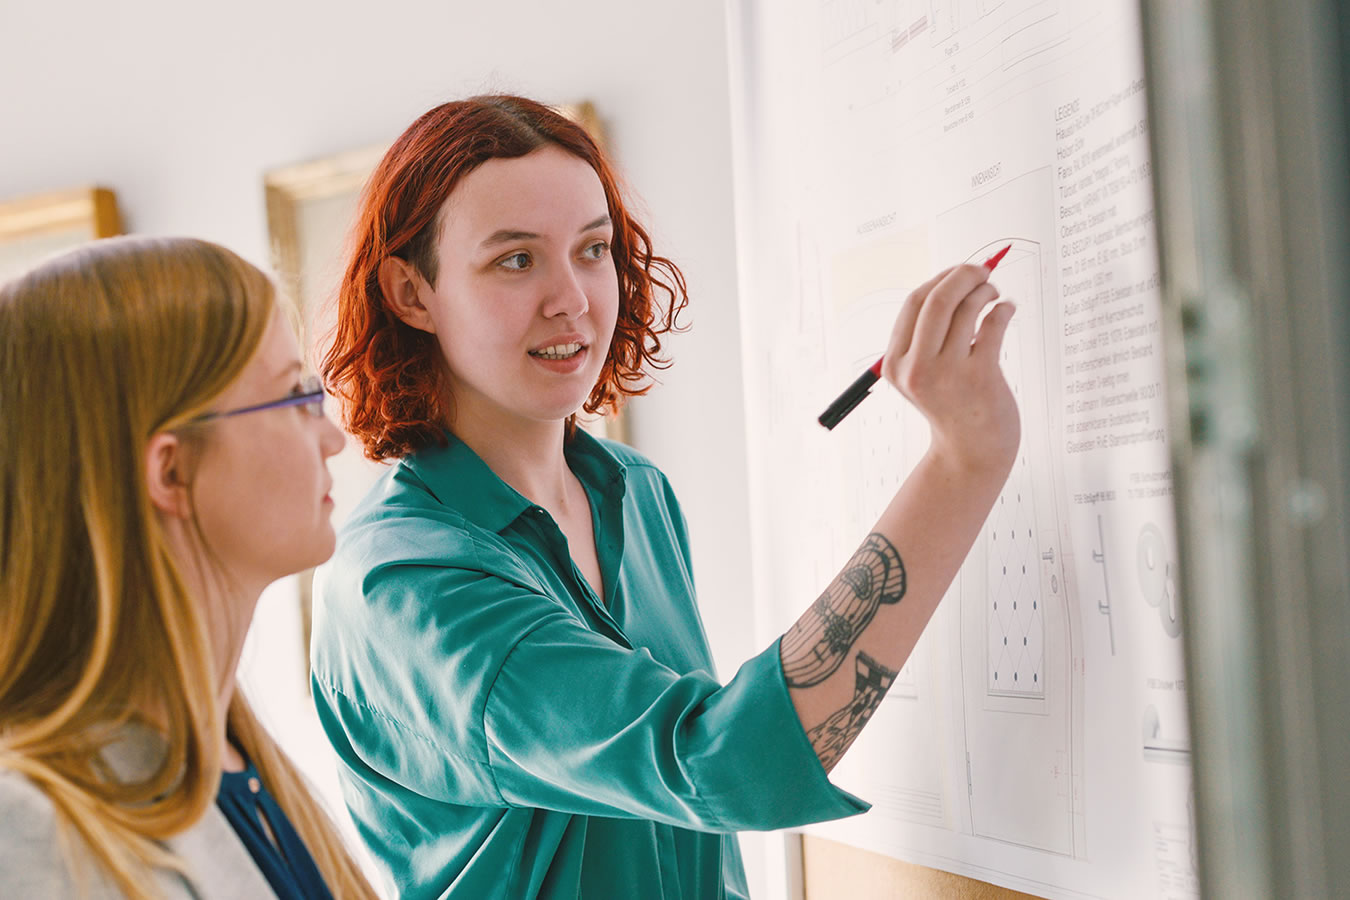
(950, 370)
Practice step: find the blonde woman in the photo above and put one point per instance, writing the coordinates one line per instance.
(161, 461)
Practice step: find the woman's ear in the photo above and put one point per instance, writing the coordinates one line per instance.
(165, 476)
(399, 283)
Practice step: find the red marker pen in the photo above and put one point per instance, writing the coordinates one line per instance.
(862, 386)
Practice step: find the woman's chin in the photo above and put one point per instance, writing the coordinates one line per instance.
(561, 410)
(324, 545)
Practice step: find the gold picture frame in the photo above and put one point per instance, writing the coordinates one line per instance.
(37, 226)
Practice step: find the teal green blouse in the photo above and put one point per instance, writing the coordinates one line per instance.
(504, 732)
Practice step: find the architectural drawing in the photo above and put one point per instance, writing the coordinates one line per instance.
(1104, 602)
(1036, 737)
(1157, 579)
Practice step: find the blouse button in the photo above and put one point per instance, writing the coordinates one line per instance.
(254, 785)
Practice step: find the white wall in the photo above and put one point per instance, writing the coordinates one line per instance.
(181, 107)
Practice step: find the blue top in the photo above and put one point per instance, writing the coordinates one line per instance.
(503, 731)
(287, 865)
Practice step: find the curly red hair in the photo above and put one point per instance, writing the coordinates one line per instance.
(390, 375)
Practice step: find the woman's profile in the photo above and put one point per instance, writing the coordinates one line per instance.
(162, 461)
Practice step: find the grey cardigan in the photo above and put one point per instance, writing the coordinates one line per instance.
(34, 861)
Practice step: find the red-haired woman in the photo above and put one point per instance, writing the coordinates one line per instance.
(508, 657)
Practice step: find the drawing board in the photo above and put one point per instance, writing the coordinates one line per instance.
(1037, 737)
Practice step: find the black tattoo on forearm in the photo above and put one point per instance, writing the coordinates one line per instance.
(818, 643)
(836, 734)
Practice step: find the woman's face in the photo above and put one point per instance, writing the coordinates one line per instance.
(259, 481)
(526, 293)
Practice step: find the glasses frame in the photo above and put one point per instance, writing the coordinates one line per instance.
(312, 396)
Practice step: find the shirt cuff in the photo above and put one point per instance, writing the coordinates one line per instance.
(775, 780)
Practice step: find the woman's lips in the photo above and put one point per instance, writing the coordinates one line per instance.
(565, 365)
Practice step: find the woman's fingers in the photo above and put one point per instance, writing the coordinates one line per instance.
(902, 333)
(935, 318)
(962, 330)
(989, 340)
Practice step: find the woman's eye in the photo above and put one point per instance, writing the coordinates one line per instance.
(596, 250)
(517, 261)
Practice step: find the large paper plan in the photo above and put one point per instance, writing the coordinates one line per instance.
(1037, 737)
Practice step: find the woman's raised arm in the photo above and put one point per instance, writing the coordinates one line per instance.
(845, 651)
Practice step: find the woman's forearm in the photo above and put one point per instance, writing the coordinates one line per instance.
(844, 652)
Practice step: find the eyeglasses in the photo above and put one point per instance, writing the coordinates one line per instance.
(309, 398)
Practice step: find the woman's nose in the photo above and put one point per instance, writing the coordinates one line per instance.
(331, 439)
(567, 295)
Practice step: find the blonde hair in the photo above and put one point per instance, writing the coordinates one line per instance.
(100, 349)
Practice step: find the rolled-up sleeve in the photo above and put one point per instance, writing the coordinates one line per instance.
(576, 723)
